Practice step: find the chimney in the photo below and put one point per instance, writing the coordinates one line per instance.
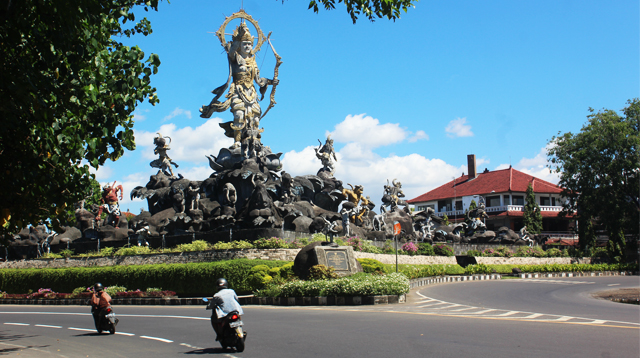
(471, 164)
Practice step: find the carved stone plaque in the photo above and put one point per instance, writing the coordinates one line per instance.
(337, 259)
(341, 258)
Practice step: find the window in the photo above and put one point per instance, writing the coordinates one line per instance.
(458, 205)
(518, 200)
(545, 201)
(493, 201)
(506, 199)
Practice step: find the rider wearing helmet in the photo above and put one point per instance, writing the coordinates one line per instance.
(226, 301)
(100, 300)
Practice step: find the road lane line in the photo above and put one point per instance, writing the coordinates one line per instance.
(157, 339)
(564, 318)
(482, 312)
(464, 309)
(598, 321)
(126, 334)
(507, 314)
(535, 315)
(82, 329)
(190, 346)
(16, 324)
(614, 284)
(47, 326)
(452, 305)
(434, 304)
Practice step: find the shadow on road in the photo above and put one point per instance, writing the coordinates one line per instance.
(211, 351)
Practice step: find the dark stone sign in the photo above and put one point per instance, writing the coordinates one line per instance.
(341, 258)
(337, 259)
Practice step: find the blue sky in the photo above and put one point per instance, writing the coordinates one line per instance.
(408, 99)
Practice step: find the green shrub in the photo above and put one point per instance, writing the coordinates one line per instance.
(107, 251)
(197, 245)
(600, 252)
(367, 246)
(67, 252)
(526, 251)
(112, 290)
(286, 271)
(388, 247)
(50, 255)
(222, 246)
(371, 266)
(442, 250)
(478, 269)
(356, 285)
(259, 276)
(271, 243)
(78, 290)
(426, 249)
(553, 252)
(474, 253)
(187, 280)
(322, 272)
(133, 250)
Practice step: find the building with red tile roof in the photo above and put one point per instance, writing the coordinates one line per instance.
(503, 193)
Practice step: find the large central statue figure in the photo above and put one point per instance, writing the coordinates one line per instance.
(242, 96)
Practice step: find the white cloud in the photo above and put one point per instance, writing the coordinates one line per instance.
(187, 144)
(138, 116)
(103, 173)
(458, 128)
(367, 131)
(420, 135)
(536, 166)
(177, 112)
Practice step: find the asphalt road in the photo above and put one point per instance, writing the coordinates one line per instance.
(507, 318)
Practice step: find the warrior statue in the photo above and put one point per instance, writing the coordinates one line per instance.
(242, 97)
(392, 195)
(163, 162)
(110, 203)
(325, 153)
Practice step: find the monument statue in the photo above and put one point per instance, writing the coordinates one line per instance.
(242, 97)
(110, 203)
(325, 153)
(392, 195)
(163, 162)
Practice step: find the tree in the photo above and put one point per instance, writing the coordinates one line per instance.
(599, 171)
(67, 93)
(532, 216)
(369, 8)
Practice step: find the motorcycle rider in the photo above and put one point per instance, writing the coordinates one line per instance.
(100, 300)
(226, 301)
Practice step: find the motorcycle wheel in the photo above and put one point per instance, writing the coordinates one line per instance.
(240, 345)
(112, 329)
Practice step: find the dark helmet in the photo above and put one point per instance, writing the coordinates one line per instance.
(98, 287)
(222, 283)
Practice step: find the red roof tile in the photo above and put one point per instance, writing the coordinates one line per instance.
(499, 181)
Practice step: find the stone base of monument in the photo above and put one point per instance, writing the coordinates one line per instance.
(341, 258)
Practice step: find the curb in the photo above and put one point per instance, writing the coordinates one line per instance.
(577, 274)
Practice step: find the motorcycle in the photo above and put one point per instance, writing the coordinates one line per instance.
(231, 332)
(105, 320)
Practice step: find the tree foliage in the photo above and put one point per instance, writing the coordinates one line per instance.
(532, 217)
(599, 169)
(67, 93)
(371, 9)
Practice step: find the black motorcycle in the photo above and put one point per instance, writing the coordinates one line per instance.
(231, 333)
(104, 319)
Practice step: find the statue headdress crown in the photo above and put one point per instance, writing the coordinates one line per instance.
(241, 33)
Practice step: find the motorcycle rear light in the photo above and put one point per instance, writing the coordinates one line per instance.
(234, 317)
(108, 310)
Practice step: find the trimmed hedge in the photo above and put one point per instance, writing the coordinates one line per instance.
(187, 280)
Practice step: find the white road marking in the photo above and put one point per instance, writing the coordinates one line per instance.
(614, 284)
(126, 334)
(464, 309)
(82, 329)
(157, 339)
(535, 315)
(47, 326)
(507, 314)
(482, 312)
(564, 318)
(598, 321)
(190, 346)
(16, 324)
